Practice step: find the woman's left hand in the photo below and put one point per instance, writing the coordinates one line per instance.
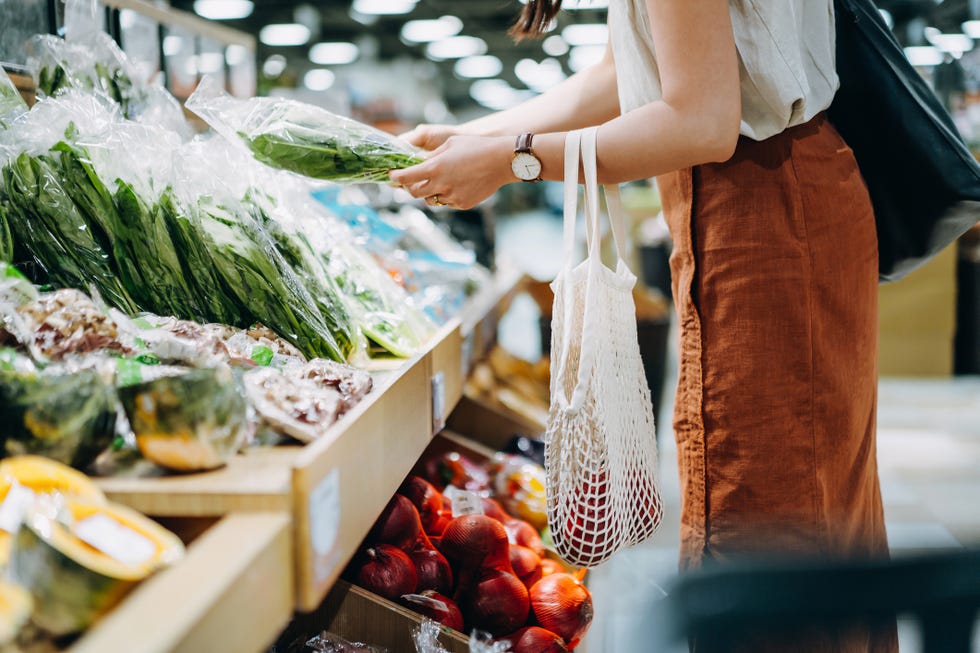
(462, 172)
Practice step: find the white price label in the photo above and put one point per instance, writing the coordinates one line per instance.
(115, 540)
(324, 514)
(438, 401)
(14, 506)
(464, 503)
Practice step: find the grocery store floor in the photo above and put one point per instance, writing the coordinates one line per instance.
(928, 456)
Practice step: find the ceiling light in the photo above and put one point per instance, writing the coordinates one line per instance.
(478, 66)
(924, 55)
(426, 31)
(236, 54)
(586, 34)
(334, 54)
(583, 56)
(581, 4)
(383, 7)
(539, 76)
(972, 28)
(554, 46)
(223, 9)
(955, 44)
(318, 79)
(274, 66)
(497, 94)
(455, 47)
(284, 34)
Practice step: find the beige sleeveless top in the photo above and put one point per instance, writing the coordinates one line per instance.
(786, 60)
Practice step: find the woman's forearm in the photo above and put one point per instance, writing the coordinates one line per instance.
(586, 98)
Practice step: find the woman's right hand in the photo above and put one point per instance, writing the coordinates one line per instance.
(429, 137)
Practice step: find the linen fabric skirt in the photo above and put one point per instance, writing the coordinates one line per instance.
(775, 275)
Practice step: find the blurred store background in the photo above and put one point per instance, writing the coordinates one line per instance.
(395, 63)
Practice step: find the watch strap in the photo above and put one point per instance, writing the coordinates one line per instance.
(524, 142)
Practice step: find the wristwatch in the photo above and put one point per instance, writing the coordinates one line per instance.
(525, 165)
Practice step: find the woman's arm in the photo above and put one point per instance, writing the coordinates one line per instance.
(696, 121)
(588, 97)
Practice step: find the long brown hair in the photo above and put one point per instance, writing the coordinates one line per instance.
(535, 18)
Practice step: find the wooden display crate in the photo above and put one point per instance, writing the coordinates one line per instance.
(335, 487)
(362, 616)
(239, 565)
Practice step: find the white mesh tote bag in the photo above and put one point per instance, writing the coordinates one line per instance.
(600, 444)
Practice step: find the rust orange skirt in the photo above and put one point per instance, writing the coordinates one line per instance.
(775, 273)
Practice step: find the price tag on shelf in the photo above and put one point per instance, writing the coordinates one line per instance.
(324, 523)
(438, 401)
(15, 504)
(115, 540)
(464, 503)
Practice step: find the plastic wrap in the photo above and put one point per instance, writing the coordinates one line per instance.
(88, 60)
(329, 643)
(194, 421)
(388, 318)
(64, 415)
(12, 105)
(302, 138)
(437, 272)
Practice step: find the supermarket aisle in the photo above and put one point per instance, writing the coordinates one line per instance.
(928, 454)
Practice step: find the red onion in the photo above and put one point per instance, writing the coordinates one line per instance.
(534, 639)
(498, 603)
(387, 571)
(398, 524)
(563, 605)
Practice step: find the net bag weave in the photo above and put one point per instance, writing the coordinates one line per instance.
(600, 444)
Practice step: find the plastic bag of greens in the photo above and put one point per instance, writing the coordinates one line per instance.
(302, 138)
(12, 104)
(388, 319)
(90, 61)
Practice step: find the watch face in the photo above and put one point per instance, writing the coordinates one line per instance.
(526, 166)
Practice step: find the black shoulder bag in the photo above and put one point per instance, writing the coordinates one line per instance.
(923, 180)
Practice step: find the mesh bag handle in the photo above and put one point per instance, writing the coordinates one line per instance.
(600, 443)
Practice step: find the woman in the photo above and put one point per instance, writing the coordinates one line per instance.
(774, 267)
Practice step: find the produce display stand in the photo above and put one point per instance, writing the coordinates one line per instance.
(322, 498)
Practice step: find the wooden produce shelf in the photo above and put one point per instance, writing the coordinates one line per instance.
(334, 488)
(235, 587)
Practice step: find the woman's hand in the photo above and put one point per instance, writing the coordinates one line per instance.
(429, 137)
(461, 172)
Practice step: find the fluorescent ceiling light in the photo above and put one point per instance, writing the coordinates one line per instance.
(972, 29)
(924, 55)
(284, 34)
(223, 9)
(236, 54)
(583, 56)
(274, 66)
(497, 94)
(455, 47)
(478, 66)
(318, 79)
(539, 76)
(334, 54)
(955, 44)
(426, 31)
(383, 7)
(581, 4)
(554, 46)
(586, 34)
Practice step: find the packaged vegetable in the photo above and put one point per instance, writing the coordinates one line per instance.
(302, 138)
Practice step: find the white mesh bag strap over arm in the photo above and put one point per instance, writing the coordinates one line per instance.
(614, 208)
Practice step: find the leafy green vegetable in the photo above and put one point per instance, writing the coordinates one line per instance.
(45, 218)
(254, 270)
(329, 155)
